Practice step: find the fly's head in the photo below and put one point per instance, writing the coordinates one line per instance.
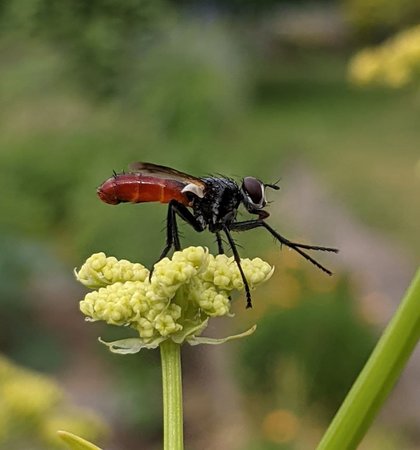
(253, 195)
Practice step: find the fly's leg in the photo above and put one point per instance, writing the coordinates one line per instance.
(172, 238)
(185, 214)
(172, 235)
(221, 250)
(219, 243)
(175, 232)
(297, 247)
(238, 263)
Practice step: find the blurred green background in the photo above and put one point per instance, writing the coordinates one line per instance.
(233, 87)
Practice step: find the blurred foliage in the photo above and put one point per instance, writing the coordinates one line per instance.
(243, 7)
(376, 19)
(100, 38)
(193, 81)
(395, 63)
(21, 262)
(33, 408)
(311, 341)
(140, 400)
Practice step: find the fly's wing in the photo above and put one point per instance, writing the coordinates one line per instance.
(192, 184)
(164, 172)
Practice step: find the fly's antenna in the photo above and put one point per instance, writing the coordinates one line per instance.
(274, 185)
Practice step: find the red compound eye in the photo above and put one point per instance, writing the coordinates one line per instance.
(254, 189)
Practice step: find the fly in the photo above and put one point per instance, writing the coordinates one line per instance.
(204, 203)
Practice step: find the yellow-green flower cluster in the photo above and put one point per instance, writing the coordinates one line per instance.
(30, 403)
(100, 270)
(395, 63)
(181, 295)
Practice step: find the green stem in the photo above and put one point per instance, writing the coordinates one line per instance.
(170, 354)
(378, 376)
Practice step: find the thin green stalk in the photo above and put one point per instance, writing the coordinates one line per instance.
(170, 354)
(378, 376)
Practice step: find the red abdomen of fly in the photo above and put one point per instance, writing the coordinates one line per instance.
(139, 188)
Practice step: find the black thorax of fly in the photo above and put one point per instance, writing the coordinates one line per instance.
(219, 205)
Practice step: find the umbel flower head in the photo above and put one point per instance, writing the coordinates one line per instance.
(175, 303)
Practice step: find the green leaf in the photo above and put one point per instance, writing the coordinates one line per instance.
(131, 345)
(379, 375)
(75, 442)
(196, 340)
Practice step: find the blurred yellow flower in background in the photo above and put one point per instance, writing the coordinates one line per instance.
(395, 63)
(33, 408)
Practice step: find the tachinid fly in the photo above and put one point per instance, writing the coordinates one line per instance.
(208, 202)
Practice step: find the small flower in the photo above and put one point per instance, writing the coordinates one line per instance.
(176, 302)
